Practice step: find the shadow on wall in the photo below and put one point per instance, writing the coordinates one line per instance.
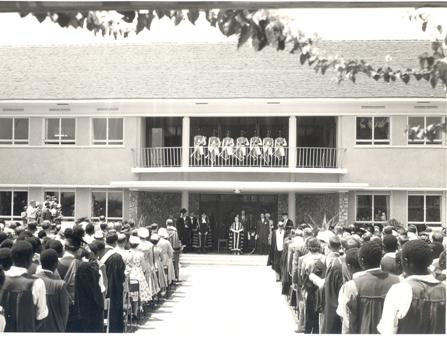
(157, 207)
(316, 206)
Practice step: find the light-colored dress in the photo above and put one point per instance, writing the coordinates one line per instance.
(167, 257)
(148, 267)
(135, 269)
(255, 147)
(227, 147)
(158, 262)
(280, 147)
(241, 147)
(213, 148)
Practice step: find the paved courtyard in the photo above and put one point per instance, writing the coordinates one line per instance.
(223, 297)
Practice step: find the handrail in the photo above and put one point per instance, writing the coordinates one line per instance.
(319, 157)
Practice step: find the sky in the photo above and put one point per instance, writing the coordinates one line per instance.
(330, 24)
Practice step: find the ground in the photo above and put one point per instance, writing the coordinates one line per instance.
(223, 297)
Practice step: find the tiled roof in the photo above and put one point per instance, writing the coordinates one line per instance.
(163, 70)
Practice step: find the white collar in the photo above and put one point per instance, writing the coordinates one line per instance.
(359, 274)
(107, 255)
(390, 254)
(429, 278)
(15, 271)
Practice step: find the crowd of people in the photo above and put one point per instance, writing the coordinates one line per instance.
(359, 281)
(89, 277)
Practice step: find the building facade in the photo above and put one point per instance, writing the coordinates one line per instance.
(116, 137)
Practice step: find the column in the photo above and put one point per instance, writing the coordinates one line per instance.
(343, 206)
(185, 141)
(185, 200)
(292, 141)
(291, 204)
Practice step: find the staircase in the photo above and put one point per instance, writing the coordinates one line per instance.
(223, 259)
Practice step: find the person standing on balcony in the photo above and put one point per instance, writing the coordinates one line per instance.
(213, 147)
(280, 146)
(241, 147)
(255, 146)
(199, 145)
(267, 147)
(227, 146)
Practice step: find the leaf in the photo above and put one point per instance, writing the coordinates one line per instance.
(160, 13)
(23, 14)
(386, 77)
(439, 27)
(141, 22)
(244, 35)
(178, 17)
(376, 76)
(63, 19)
(128, 16)
(193, 15)
(426, 76)
(40, 16)
(424, 26)
(303, 58)
(405, 78)
(281, 44)
(149, 17)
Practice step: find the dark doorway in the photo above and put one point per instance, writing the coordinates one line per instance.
(316, 131)
(221, 208)
(164, 132)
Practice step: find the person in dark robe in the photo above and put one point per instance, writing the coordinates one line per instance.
(200, 234)
(182, 230)
(115, 271)
(262, 229)
(191, 225)
(236, 236)
(57, 294)
(277, 249)
(286, 280)
(288, 223)
(245, 221)
(90, 300)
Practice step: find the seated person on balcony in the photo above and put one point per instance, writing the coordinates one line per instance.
(213, 147)
(199, 143)
(280, 146)
(267, 147)
(227, 146)
(241, 146)
(255, 145)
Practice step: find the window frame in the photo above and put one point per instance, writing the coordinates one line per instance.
(59, 141)
(106, 141)
(424, 141)
(373, 141)
(107, 217)
(11, 217)
(373, 222)
(13, 140)
(424, 209)
(59, 191)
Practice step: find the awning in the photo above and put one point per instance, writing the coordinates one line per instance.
(238, 187)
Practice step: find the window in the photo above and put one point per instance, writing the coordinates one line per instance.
(108, 204)
(108, 131)
(424, 210)
(67, 201)
(12, 204)
(60, 131)
(424, 122)
(372, 208)
(14, 131)
(373, 130)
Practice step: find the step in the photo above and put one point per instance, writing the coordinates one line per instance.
(223, 259)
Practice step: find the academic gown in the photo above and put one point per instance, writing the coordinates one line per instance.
(333, 282)
(275, 255)
(262, 229)
(115, 268)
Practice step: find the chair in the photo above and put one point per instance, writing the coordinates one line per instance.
(221, 241)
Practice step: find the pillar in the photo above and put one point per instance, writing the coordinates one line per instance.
(185, 141)
(132, 212)
(292, 141)
(291, 204)
(185, 200)
(343, 206)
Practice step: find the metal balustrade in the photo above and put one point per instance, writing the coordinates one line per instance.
(159, 157)
(319, 157)
(307, 157)
(205, 159)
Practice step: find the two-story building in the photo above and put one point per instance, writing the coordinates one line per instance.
(109, 130)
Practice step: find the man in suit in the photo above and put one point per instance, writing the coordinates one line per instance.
(263, 231)
(288, 223)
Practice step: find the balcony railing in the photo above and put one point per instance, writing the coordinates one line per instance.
(159, 157)
(307, 157)
(319, 157)
(203, 158)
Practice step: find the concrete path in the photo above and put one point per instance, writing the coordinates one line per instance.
(238, 302)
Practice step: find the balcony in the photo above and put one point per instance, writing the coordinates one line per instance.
(306, 158)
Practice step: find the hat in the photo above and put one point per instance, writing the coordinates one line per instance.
(143, 233)
(134, 240)
(155, 237)
(163, 233)
(99, 235)
(121, 237)
(388, 230)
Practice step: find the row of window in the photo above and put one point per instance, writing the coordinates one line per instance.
(104, 203)
(422, 209)
(370, 130)
(62, 131)
(375, 130)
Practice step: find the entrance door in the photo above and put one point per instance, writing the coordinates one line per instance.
(222, 208)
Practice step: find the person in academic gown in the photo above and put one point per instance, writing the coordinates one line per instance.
(277, 249)
(182, 229)
(115, 270)
(191, 225)
(262, 229)
(288, 223)
(236, 236)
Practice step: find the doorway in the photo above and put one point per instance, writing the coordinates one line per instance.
(221, 208)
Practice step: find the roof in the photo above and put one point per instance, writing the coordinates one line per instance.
(168, 70)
